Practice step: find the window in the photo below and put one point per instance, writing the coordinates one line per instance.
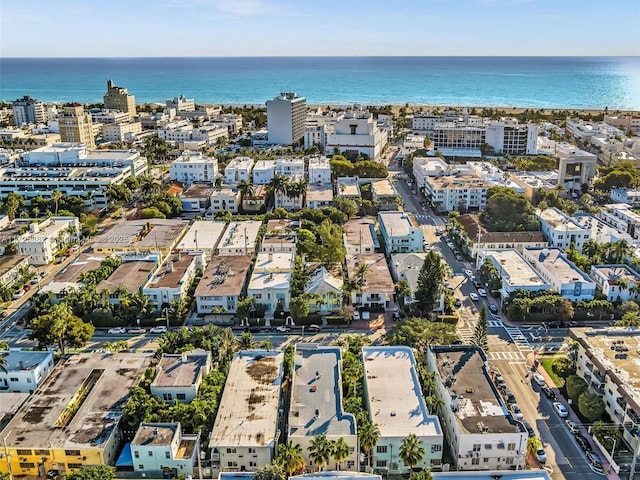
(24, 452)
(13, 379)
(181, 396)
(74, 466)
(351, 464)
(150, 453)
(232, 464)
(72, 453)
(488, 446)
(511, 446)
(166, 396)
(141, 467)
(253, 464)
(509, 461)
(476, 447)
(42, 452)
(381, 463)
(167, 454)
(475, 461)
(436, 448)
(436, 462)
(381, 449)
(252, 450)
(136, 454)
(231, 450)
(27, 465)
(485, 460)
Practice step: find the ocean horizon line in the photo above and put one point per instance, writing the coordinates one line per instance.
(313, 56)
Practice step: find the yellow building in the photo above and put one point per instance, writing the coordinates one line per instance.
(76, 126)
(141, 237)
(73, 419)
(118, 98)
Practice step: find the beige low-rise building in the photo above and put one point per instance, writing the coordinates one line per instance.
(131, 277)
(246, 429)
(239, 238)
(173, 278)
(319, 195)
(180, 375)
(141, 236)
(377, 287)
(360, 236)
(222, 283)
(203, 236)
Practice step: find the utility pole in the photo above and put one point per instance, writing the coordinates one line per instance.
(6, 455)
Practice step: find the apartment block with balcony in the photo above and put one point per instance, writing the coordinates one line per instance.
(376, 287)
(399, 233)
(360, 236)
(617, 282)
(560, 230)
(319, 170)
(224, 198)
(622, 217)
(456, 193)
(193, 167)
(238, 169)
(179, 376)
(25, 370)
(270, 282)
(222, 284)
(45, 239)
(263, 172)
(173, 278)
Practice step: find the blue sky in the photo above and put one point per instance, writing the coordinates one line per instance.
(133, 28)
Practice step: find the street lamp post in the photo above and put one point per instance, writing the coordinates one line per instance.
(166, 315)
(6, 455)
(613, 449)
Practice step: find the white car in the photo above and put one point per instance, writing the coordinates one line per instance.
(283, 329)
(158, 329)
(482, 292)
(468, 273)
(474, 296)
(116, 331)
(541, 456)
(539, 379)
(560, 409)
(517, 413)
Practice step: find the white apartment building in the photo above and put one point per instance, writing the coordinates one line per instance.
(360, 236)
(28, 110)
(560, 230)
(290, 167)
(512, 138)
(238, 169)
(576, 167)
(600, 231)
(286, 116)
(348, 187)
(515, 272)
(317, 135)
(424, 167)
(202, 237)
(121, 132)
(106, 117)
(624, 122)
(270, 281)
(561, 273)
(45, 239)
(456, 193)
(394, 400)
(288, 201)
(617, 282)
(25, 370)
(10, 268)
(480, 431)
(622, 218)
(263, 171)
(357, 132)
(231, 121)
(622, 195)
(319, 170)
(319, 195)
(239, 238)
(181, 104)
(222, 283)
(172, 278)
(225, 198)
(179, 376)
(399, 233)
(316, 403)
(185, 134)
(196, 198)
(253, 445)
(581, 129)
(162, 449)
(377, 287)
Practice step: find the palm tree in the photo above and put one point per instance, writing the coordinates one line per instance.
(411, 451)
(361, 272)
(533, 445)
(4, 347)
(245, 188)
(620, 250)
(56, 196)
(369, 435)
(403, 290)
(140, 305)
(340, 451)
(35, 212)
(245, 342)
(320, 451)
(278, 184)
(290, 458)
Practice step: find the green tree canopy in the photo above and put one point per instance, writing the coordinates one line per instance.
(430, 282)
(60, 327)
(575, 387)
(591, 405)
(412, 451)
(420, 334)
(97, 472)
(508, 211)
(563, 367)
(479, 337)
(271, 471)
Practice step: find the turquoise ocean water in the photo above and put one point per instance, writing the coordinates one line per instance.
(540, 82)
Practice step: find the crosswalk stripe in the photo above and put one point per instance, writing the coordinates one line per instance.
(494, 323)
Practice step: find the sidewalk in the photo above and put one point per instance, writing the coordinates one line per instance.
(572, 416)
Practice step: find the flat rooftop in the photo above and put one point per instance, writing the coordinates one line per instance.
(458, 182)
(130, 275)
(239, 235)
(319, 192)
(282, 225)
(197, 191)
(558, 219)
(202, 235)
(11, 403)
(397, 224)
(172, 271)
(383, 188)
(360, 231)
(155, 434)
(274, 262)
(84, 263)
(224, 276)
(348, 187)
(479, 407)
(248, 411)
(316, 403)
(240, 163)
(180, 370)
(319, 162)
(9, 262)
(540, 474)
(11, 232)
(338, 475)
(378, 278)
(110, 377)
(555, 261)
(615, 273)
(395, 396)
(49, 230)
(514, 268)
(18, 360)
(163, 234)
(264, 165)
(276, 280)
(623, 369)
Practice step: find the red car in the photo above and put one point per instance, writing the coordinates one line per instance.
(26, 288)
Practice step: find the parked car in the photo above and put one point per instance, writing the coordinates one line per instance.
(458, 257)
(528, 428)
(474, 296)
(18, 294)
(539, 379)
(356, 315)
(548, 393)
(517, 413)
(283, 329)
(572, 426)
(458, 302)
(509, 397)
(595, 461)
(560, 409)
(583, 443)
(482, 292)
(158, 329)
(468, 273)
(317, 328)
(117, 331)
(541, 456)
(493, 308)
(137, 330)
